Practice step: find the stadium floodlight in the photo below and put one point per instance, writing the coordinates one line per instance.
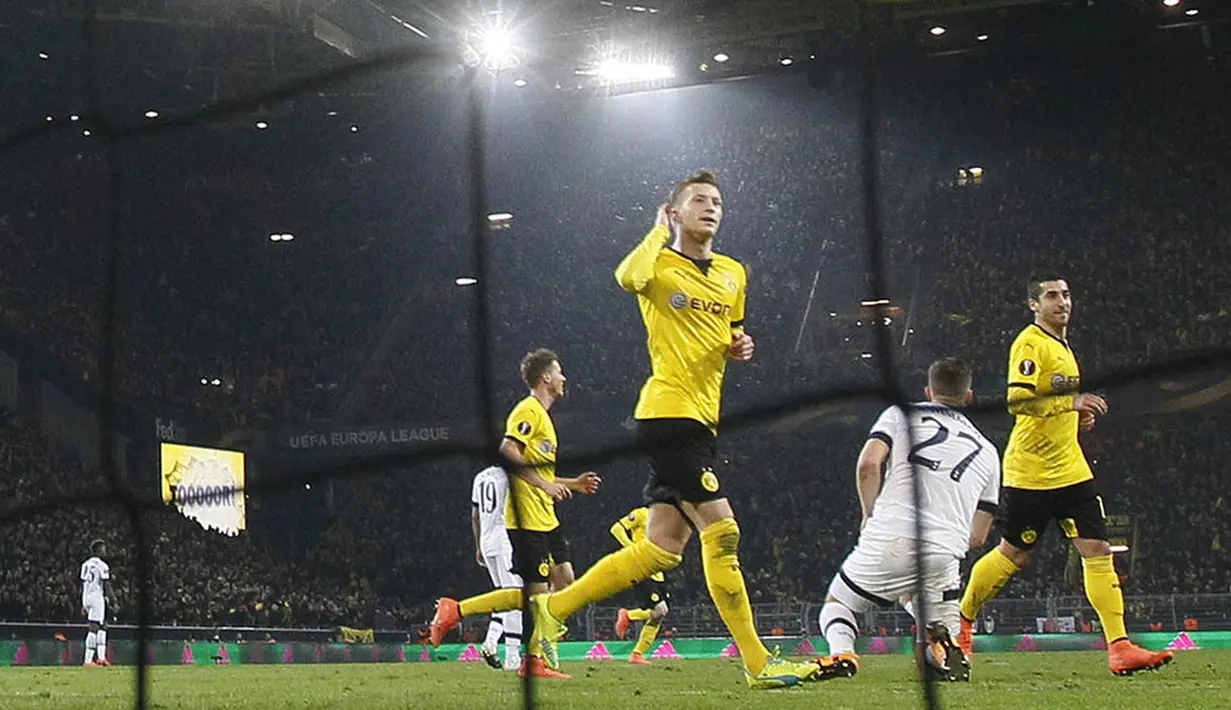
(499, 217)
(43, 56)
(976, 171)
(937, 30)
(74, 117)
(465, 281)
(721, 57)
(86, 133)
(151, 114)
(519, 82)
(204, 382)
(613, 72)
(1191, 12)
(262, 125)
(496, 49)
(866, 356)
(873, 303)
(354, 128)
(786, 61)
(1171, 3)
(982, 38)
(216, 382)
(833, 314)
(50, 119)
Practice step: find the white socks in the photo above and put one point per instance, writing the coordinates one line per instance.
(839, 627)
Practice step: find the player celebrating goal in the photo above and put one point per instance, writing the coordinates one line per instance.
(1046, 477)
(935, 447)
(540, 552)
(692, 303)
(95, 574)
(494, 552)
(629, 531)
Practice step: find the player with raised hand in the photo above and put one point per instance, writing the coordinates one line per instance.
(935, 447)
(540, 551)
(95, 576)
(692, 303)
(1046, 477)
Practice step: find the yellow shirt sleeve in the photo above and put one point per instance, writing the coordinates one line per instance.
(1027, 362)
(636, 271)
(521, 424)
(737, 312)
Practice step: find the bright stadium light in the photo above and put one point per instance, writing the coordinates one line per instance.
(465, 281)
(216, 382)
(74, 117)
(519, 83)
(43, 56)
(722, 57)
(786, 61)
(982, 38)
(937, 31)
(151, 114)
(499, 217)
(614, 72)
(1191, 12)
(262, 125)
(495, 48)
(1171, 3)
(204, 382)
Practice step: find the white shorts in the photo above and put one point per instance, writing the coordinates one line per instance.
(500, 567)
(878, 573)
(94, 610)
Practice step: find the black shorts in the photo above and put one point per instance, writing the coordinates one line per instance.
(1077, 509)
(650, 593)
(535, 553)
(683, 455)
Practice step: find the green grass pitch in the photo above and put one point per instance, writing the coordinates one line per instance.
(1010, 681)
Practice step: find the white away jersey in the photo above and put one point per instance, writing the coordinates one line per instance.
(488, 494)
(958, 469)
(93, 573)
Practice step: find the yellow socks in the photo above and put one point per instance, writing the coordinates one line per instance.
(611, 575)
(649, 632)
(720, 559)
(493, 601)
(1103, 591)
(987, 577)
(639, 614)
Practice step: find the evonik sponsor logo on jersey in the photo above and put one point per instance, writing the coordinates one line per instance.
(681, 301)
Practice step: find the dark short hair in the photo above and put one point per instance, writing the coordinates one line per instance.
(950, 377)
(703, 176)
(535, 363)
(1034, 288)
(96, 547)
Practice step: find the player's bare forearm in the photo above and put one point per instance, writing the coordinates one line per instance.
(980, 529)
(868, 483)
(587, 482)
(637, 268)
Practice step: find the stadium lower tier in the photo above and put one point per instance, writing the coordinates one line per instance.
(55, 653)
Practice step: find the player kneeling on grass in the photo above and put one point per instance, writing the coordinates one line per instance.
(629, 531)
(957, 470)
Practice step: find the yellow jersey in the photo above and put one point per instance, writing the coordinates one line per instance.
(530, 425)
(691, 309)
(631, 529)
(1044, 379)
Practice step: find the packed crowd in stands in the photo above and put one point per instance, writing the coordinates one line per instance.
(1137, 214)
